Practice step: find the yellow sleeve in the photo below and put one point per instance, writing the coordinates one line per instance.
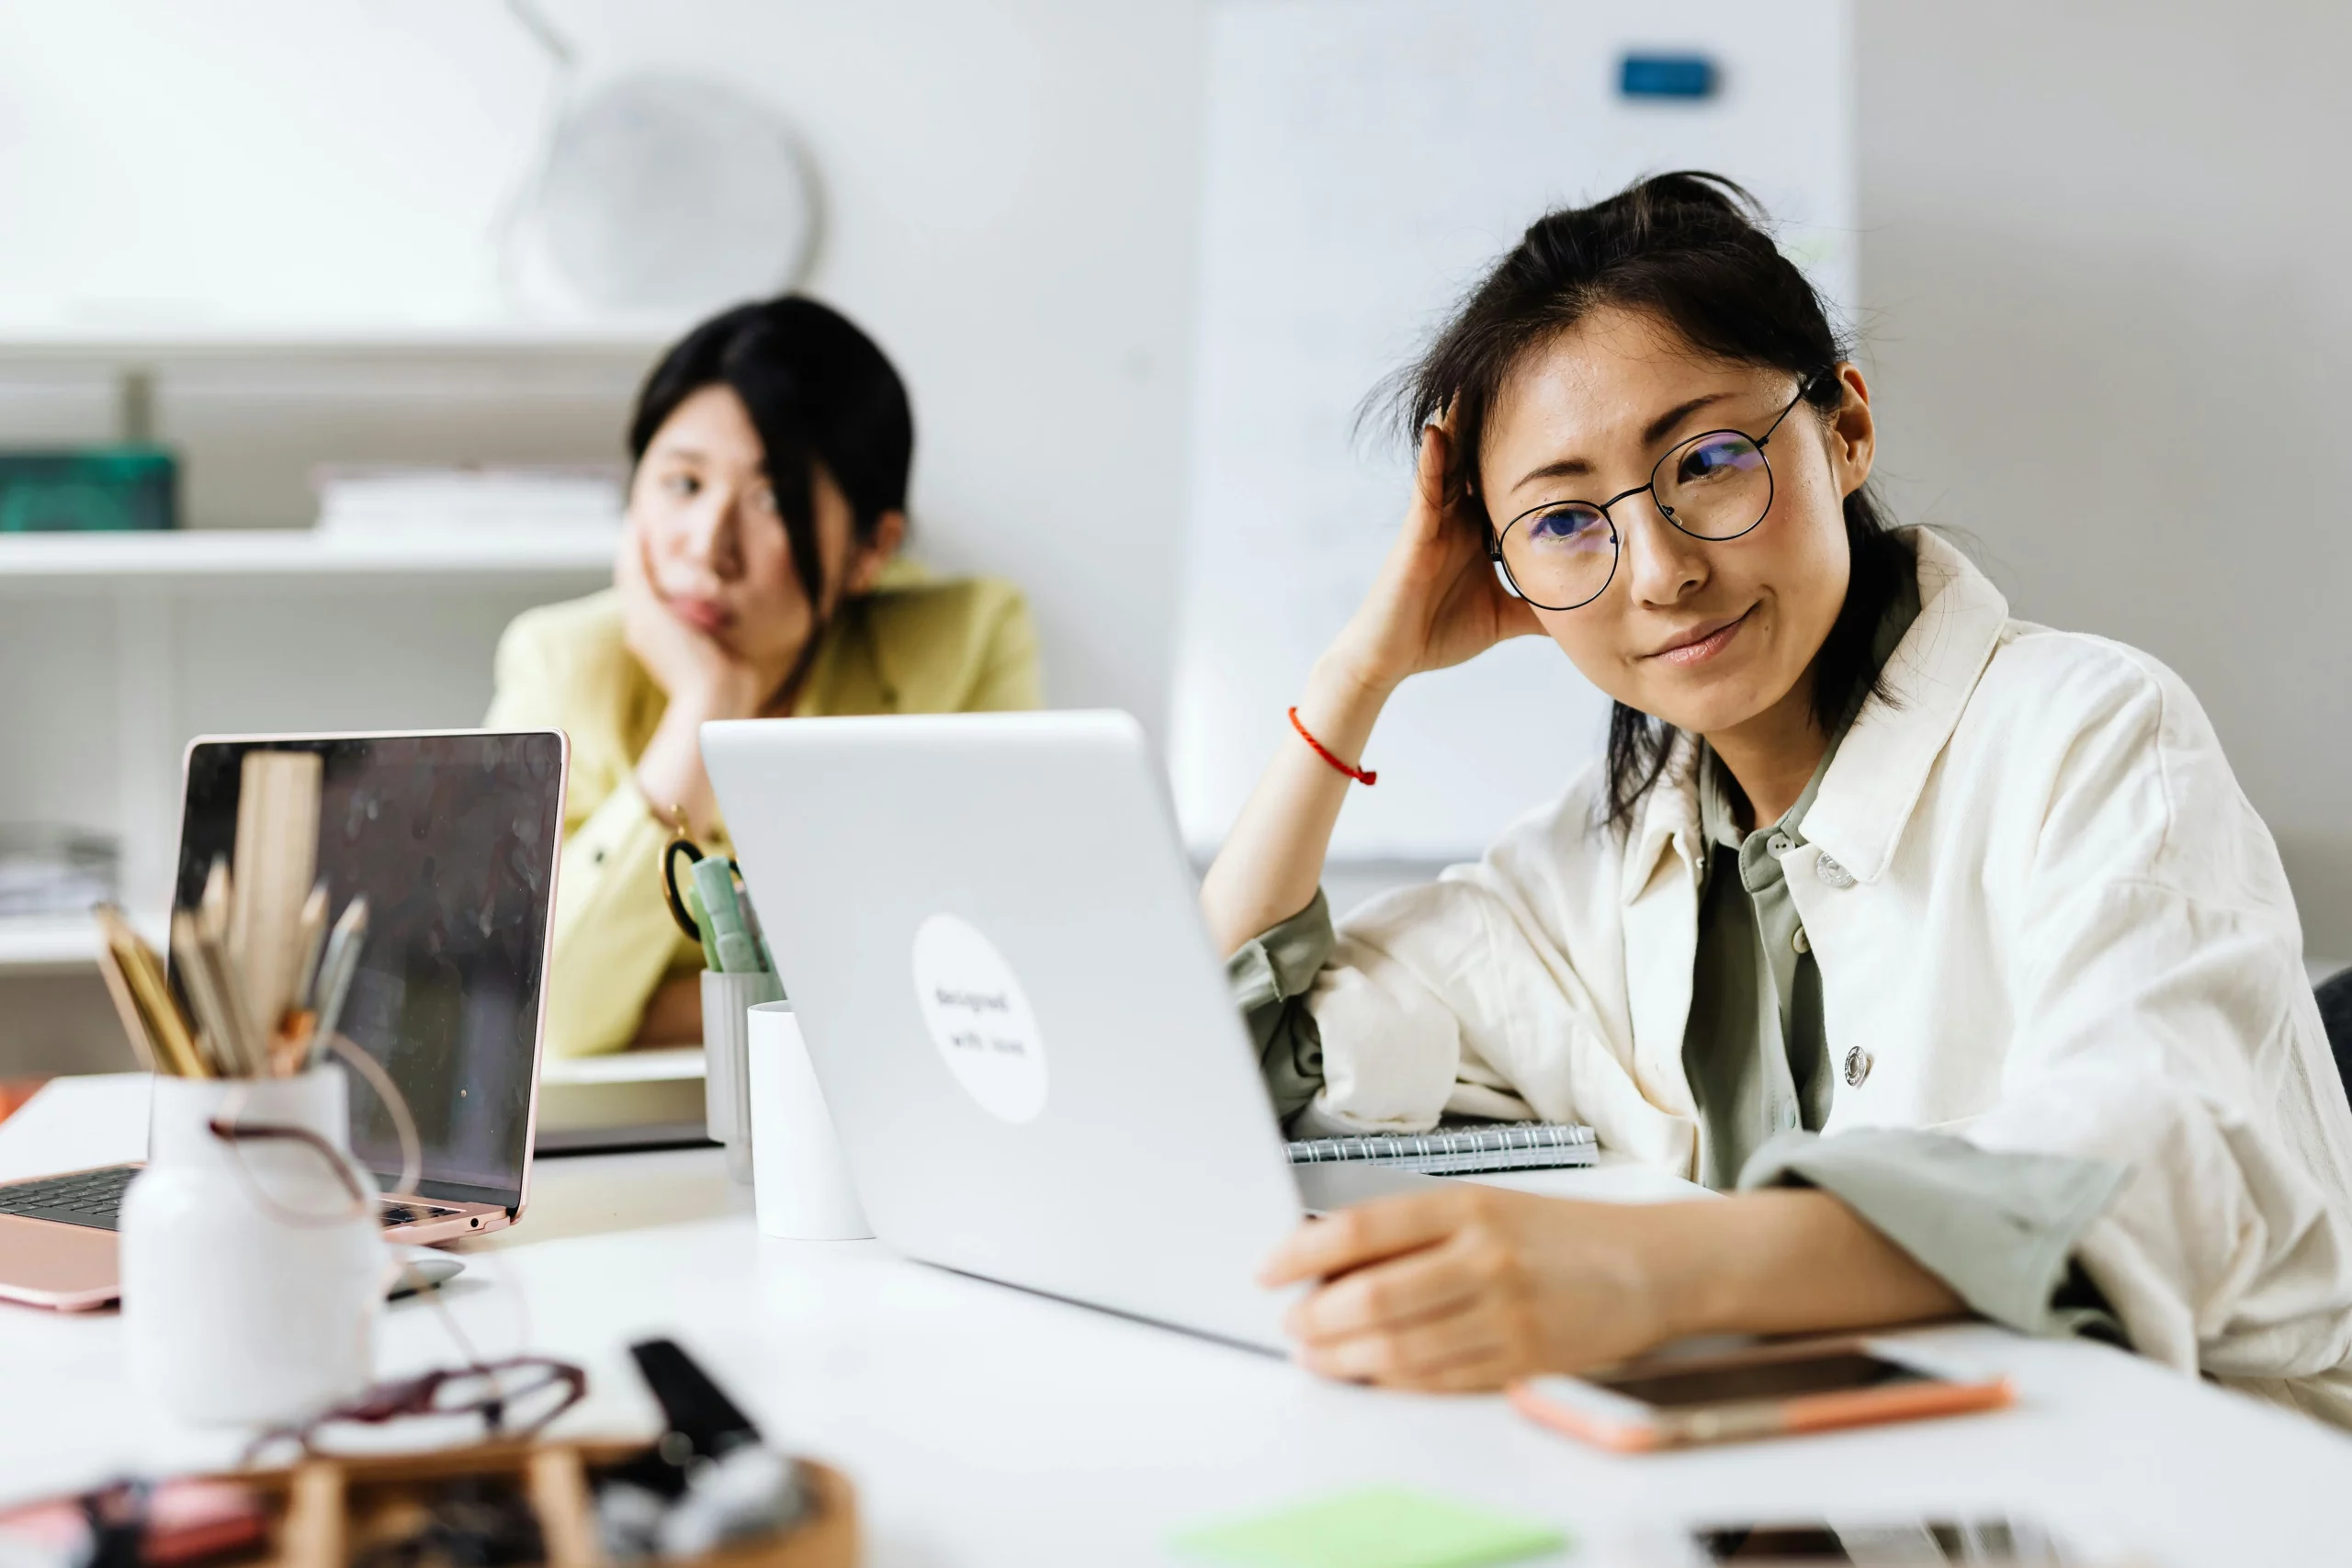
(1009, 680)
(613, 938)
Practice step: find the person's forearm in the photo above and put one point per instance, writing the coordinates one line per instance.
(1273, 860)
(673, 1014)
(1785, 1261)
(669, 773)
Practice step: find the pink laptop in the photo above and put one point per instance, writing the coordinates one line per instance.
(452, 837)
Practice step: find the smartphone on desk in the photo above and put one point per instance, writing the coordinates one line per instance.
(1991, 1543)
(1813, 1385)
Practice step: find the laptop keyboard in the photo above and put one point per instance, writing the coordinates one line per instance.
(90, 1198)
(93, 1199)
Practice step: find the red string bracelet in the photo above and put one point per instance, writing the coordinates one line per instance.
(1361, 775)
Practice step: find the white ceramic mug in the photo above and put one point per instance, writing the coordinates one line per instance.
(727, 1113)
(800, 1181)
(252, 1271)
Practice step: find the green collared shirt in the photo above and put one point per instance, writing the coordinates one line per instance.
(1754, 1048)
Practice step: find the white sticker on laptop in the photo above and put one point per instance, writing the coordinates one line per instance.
(979, 1018)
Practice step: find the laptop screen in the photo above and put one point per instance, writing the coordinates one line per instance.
(452, 840)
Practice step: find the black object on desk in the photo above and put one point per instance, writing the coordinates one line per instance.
(697, 1409)
(707, 1482)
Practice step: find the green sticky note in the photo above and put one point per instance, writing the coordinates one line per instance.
(1381, 1527)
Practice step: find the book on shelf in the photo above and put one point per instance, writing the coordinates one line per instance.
(404, 501)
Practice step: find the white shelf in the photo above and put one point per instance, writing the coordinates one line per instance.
(36, 559)
(58, 941)
(136, 346)
(665, 1064)
(47, 943)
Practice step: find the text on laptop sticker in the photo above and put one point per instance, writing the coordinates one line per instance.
(979, 1018)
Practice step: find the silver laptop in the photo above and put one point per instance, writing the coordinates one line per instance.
(990, 934)
(452, 836)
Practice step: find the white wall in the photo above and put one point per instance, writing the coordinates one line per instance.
(2105, 252)
(2102, 262)
(1013, 190)
(272, 158)
(1010, 191)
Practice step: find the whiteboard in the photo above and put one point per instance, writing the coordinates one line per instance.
(274, 165)
(1364, 161)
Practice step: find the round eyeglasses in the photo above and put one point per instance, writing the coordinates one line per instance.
(1563, 554)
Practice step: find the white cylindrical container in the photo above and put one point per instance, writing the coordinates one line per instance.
(252, 1276)
(800, 1182)
(727, 1113)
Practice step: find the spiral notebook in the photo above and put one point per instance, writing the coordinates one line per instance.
(1459, 1151)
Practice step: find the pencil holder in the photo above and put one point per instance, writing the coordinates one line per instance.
(252, 1261)
(726, 1108)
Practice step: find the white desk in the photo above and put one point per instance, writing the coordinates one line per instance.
(985, 1426)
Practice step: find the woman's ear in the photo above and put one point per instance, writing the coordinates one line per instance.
(1852, 433)
(866, 567)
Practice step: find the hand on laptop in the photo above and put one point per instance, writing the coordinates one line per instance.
(1472, 1286)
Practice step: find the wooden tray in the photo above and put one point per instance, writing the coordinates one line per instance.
(332, 1507)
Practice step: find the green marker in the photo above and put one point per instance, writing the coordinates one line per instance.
(759, 937)
(715, 880)
(691, 898)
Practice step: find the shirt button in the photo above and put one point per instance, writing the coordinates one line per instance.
(1829, 871)
(1858, 1066)
(1800, 942)
(1779, 844)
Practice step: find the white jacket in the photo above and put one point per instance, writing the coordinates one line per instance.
(2046, 919)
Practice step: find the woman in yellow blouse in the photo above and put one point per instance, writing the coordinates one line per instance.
(756, 578)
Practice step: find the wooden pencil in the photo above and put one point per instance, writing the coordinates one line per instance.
(151, 992)
(335, 973)
(252, 1052)
(313, 939)
(223, 1031)
(134, 1027)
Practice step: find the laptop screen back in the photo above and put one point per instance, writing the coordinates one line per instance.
(452, 839)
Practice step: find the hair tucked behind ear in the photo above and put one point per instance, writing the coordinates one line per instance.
(1691, 250)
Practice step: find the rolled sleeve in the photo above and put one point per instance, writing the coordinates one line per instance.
(1270, 976)
(1998, 1228)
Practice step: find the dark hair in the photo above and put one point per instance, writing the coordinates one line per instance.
(1691, 250)
(819, 390)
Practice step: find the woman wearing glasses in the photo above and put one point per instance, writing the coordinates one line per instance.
(758, 576)
(1945, 941)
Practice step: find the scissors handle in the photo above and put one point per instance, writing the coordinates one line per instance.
(670, 882)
